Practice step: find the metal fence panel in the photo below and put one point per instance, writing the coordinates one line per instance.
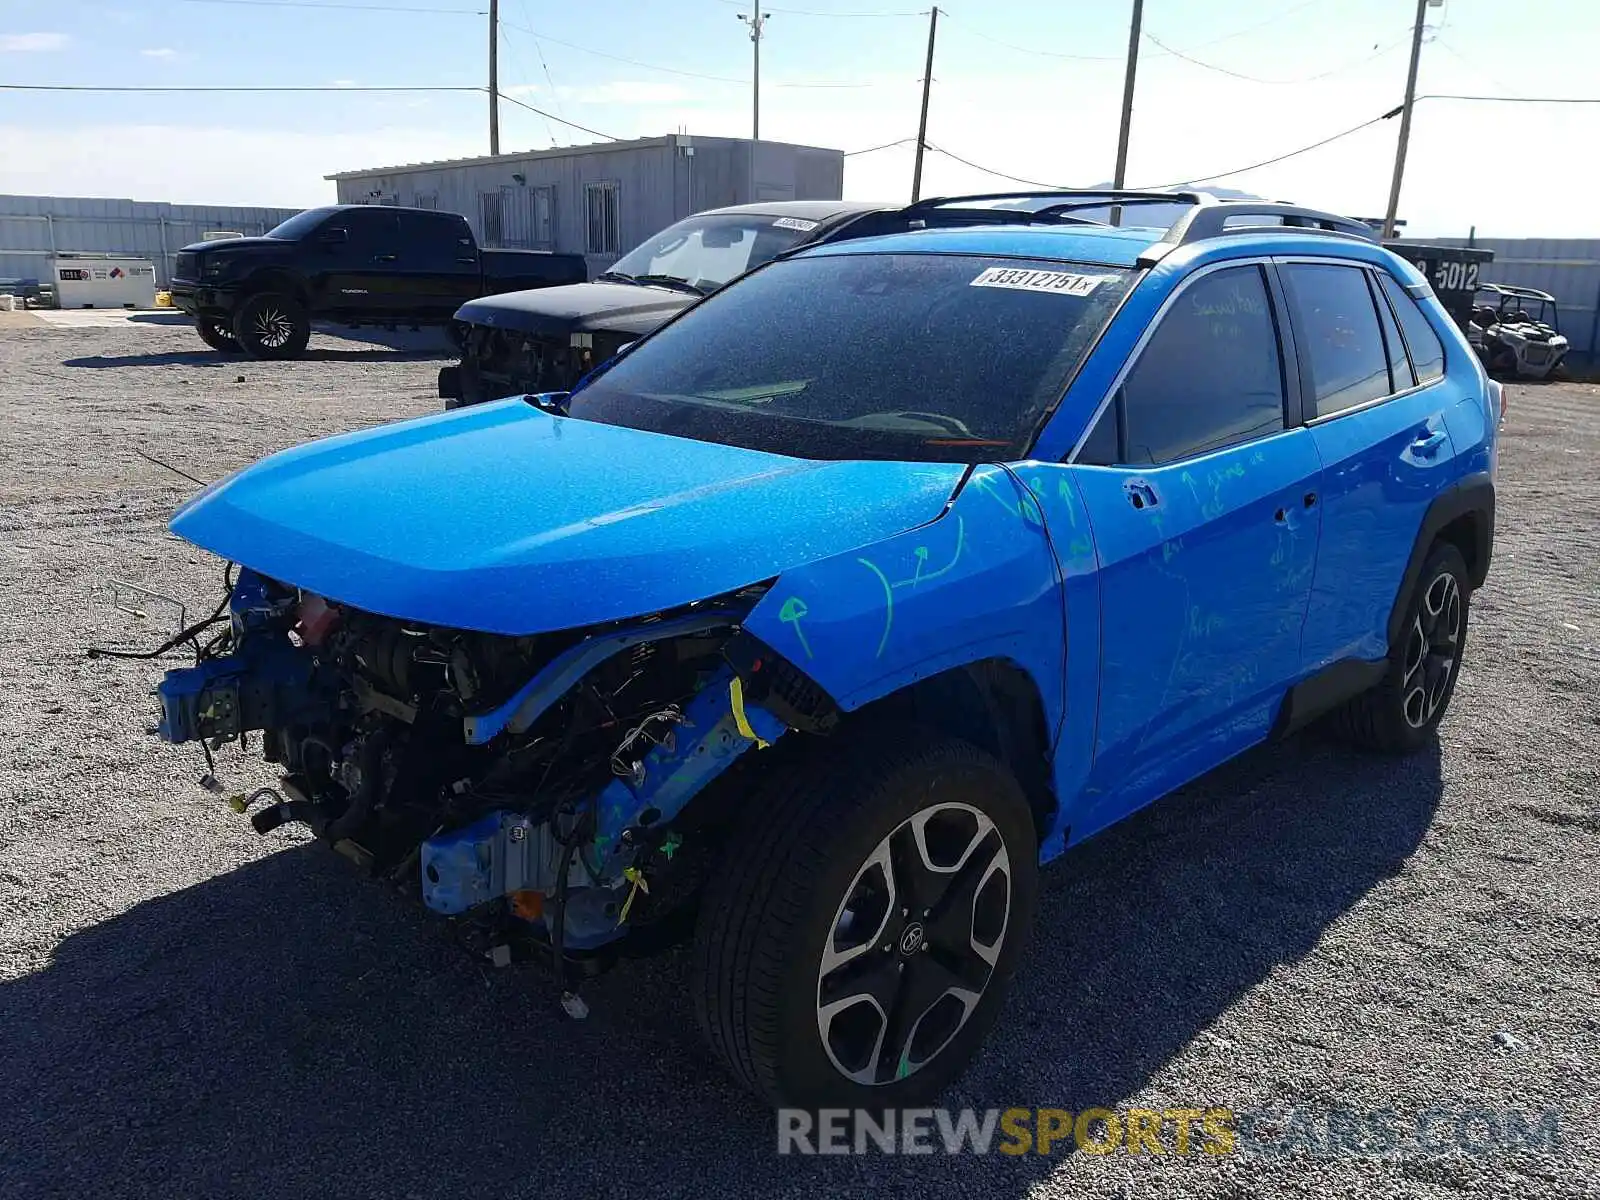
(33, 228)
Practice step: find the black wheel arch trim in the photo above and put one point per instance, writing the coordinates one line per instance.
(1471, 495)
(274, 280)
(1325, 691)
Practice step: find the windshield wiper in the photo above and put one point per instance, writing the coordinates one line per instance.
(614, 277)
(670, 281)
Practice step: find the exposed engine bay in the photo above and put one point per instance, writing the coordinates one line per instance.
(540, 785)
(505, 362)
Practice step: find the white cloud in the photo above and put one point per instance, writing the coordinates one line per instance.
(160, 52)
(25, 43)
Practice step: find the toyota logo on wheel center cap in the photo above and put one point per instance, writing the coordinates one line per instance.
(912, 939)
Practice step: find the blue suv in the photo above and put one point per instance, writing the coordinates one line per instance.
(812, 623)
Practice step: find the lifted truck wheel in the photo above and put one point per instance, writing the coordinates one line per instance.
(1403, 709)
(856, 945)
(216, 335)
(270, 325)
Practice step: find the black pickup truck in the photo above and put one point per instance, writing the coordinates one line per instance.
(355, 264)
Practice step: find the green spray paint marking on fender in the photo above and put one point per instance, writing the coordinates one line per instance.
(792, 611)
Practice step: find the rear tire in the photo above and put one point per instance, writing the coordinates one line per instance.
(217, 335)
(1402, 711)
(856, 943)
(271, 325)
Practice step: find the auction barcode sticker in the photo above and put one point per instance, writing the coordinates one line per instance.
(1062, 283)
(800, 223)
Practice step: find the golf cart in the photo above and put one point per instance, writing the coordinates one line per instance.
(1517, 331)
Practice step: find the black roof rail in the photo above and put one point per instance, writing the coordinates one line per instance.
(1071, 198)
(1211, 220)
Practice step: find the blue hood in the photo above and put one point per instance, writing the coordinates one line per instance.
(505, 519)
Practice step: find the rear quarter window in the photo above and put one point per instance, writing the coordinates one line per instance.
(1427, 351)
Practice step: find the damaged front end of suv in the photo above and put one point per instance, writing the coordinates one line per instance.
(538, 783)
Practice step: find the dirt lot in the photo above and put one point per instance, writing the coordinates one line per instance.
(189, 1010)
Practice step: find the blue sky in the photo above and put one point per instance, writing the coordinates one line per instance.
(1028, 87)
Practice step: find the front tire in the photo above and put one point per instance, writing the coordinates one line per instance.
(216, 335)
(1402, 711)
(271, 325)
(857, 943)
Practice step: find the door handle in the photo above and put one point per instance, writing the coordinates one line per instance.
(1140, 494)
(468, 259)
(1427, 443)
(384, 258)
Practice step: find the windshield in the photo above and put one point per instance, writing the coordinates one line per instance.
(706, 252)
(297, 226)
(926, 357)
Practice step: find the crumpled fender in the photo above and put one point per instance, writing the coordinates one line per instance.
(983, 580)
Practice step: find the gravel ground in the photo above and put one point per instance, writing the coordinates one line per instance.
(189, 1010)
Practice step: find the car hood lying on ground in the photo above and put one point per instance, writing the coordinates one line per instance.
(505, 519)
(577, 308)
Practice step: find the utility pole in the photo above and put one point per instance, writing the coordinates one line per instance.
(756, 23)
(1119, 177)
(922, 122)
(1405, 120)
(494, 76)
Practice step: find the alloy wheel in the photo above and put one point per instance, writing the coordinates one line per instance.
(1431, 650)
(272, 327)
(913, 944)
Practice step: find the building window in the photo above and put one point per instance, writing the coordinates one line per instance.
(492, 215)
(544, 218)
(604, 224)
(428, 201)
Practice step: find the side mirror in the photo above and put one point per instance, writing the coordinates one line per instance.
(334, 237)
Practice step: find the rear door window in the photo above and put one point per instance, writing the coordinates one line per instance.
(1427, 351)
(431, 241)
(1211, 375)
(1337, 332)
(373, 230)
(1400, 377)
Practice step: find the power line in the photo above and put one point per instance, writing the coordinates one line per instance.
(978, 33)
(1188, 58)
(610, 137)
(341, 4)
(807, 12)
(1272, 20)
(538, 48)
(1317, 145)
(528, 75)
(634, 62)
(875, 149)
(1280, 157)
(1513, 99)
(998, 174)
